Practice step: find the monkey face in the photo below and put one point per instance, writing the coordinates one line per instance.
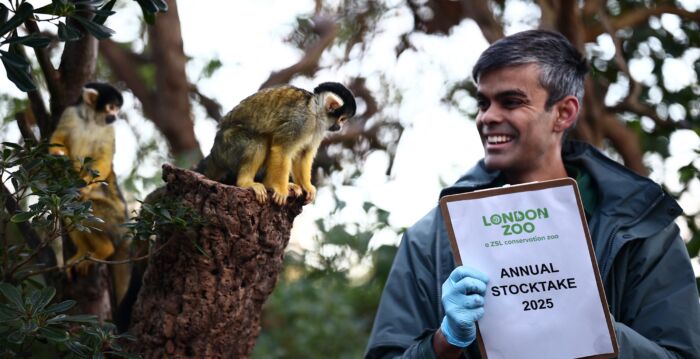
(111, 112)
(104, 99)
(338, 123)
(337, 111)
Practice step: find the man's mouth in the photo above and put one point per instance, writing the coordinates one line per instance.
(498, 139)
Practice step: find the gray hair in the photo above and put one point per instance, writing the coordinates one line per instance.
(562, 67)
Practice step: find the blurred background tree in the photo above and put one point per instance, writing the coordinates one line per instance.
(641, 108)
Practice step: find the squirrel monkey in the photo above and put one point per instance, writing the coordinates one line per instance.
(84, 131)
(279, 130)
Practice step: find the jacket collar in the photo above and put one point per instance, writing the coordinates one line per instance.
(623, 194)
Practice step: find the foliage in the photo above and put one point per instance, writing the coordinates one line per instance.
(52, 186)
(88, 14)
(30, 326)
(160, 215)
(321, 310)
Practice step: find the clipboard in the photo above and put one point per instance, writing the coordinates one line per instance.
(537, 235)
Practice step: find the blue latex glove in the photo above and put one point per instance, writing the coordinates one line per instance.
(463, 300)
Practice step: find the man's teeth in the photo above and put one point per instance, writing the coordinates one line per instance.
(498, 139)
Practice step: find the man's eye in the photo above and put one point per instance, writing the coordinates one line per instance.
(482, 105)
(513, 102)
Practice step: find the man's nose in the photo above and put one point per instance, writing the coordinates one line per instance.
(491, 115)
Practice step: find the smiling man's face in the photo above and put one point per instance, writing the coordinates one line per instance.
(518, 134)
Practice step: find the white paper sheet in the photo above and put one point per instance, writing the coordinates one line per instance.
(511, 237)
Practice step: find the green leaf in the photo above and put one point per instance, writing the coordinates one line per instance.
(99, 31)
(33, 40)
(77, 348)
(17, 71)
(211, 67)
(61, 307)
(45, 296)
(22, 217)
(687, 173)
(57, 319)
(68, 33)
(148, 6)
(4, 12)
(16, 337)
(104, 12)
(14, 59)
(12, 145)
(693, 246)
(13, 295)
(24, 11)
(82, 318)
(8, 314)
(149, 11)
(54, 334)
(55, 9)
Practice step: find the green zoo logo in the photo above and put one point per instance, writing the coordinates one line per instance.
(516, 222)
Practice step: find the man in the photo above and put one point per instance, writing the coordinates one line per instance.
(530, 87)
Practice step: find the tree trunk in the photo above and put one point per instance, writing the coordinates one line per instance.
(173, 112)
(209, 305)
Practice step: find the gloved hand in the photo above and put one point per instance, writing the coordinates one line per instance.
(463, 300)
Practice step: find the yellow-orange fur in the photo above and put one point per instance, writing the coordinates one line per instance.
(82, 135)
(278, 129)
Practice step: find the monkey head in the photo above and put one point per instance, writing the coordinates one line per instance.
(103, 99)
(338, 102)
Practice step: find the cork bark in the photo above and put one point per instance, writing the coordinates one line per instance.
(196, 305)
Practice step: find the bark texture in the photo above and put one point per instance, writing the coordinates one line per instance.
(196, 305)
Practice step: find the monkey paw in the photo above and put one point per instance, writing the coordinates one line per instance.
(279, 198)
(310, 194)
(260, 192)
(295, 190)
(78, 262)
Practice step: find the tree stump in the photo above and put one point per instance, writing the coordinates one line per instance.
(196, 305)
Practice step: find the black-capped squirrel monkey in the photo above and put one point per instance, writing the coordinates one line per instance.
(84, 131)
(279, 130)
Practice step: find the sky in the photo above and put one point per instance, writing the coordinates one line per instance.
(439, 143)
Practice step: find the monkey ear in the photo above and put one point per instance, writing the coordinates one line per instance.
(90, 96)
(332, 102)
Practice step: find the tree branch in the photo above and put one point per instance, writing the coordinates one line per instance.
(631, 102)
(173, 109)
(480, 12)
(119, 59)
(24, 127)
(327, 30)
(44, 58)
(638, 17)
(33, 239)
(210, 105)
(78, 63)
(625, 142)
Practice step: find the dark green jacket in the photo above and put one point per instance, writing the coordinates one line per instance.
(648, 279)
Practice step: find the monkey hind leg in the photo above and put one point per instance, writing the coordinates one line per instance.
(121, 273)
(82, 248)
(279, 164)
(95, 244)
(253, 158)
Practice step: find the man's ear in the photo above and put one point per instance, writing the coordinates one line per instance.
(566, 113)
(90, 96)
